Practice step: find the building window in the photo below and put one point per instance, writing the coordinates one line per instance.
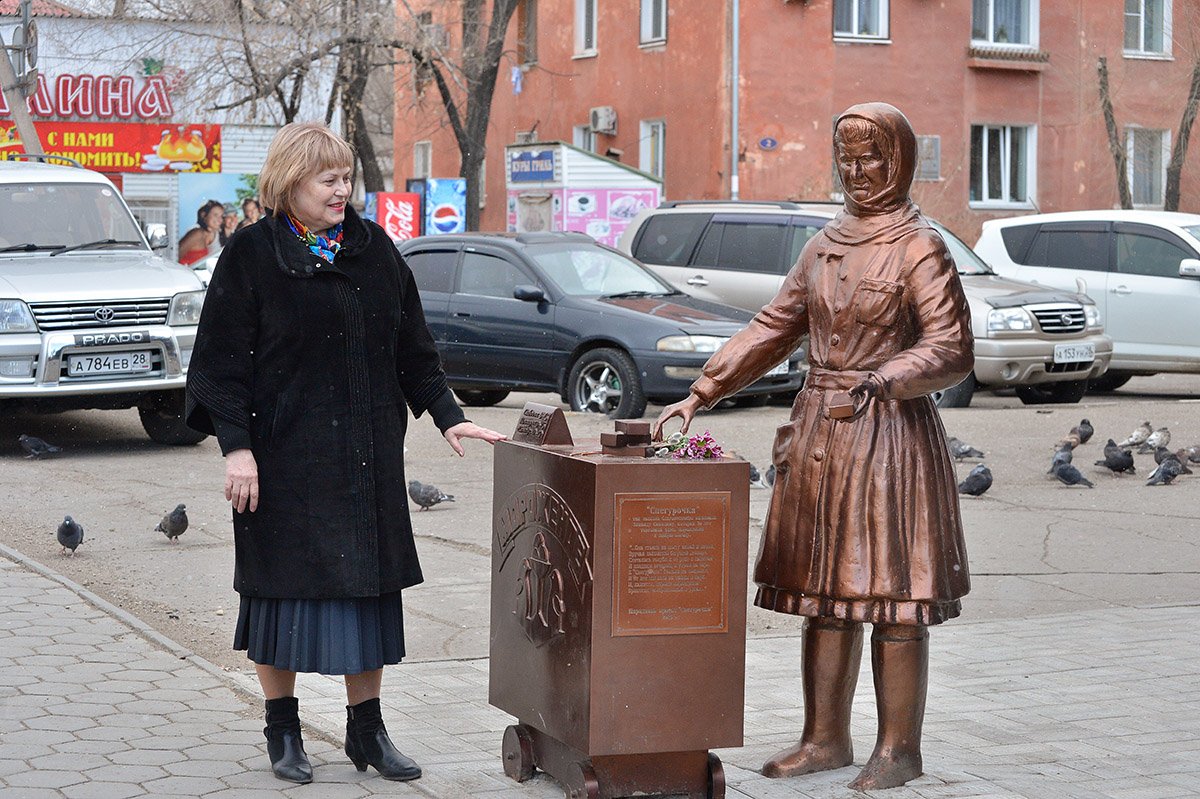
(929, 158)
(860, 18)
(584, 138)
(1002, 164)
(527, 32)
(654, 21)
(1146, 154)
(585, 27)
(1004, 22)
(422, 159)
(1148, 26)
(650, 149)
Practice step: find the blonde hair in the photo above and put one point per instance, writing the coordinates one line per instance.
(298, 151)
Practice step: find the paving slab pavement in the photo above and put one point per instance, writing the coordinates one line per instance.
(1102, 704)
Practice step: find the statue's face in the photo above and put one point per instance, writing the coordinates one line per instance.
(862, 168)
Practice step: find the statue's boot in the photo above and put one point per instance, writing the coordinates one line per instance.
(900, 665)
(831, 656)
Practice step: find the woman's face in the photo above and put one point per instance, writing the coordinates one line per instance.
(212, 220)
(320, 199)
(231, 223)
(863, 169)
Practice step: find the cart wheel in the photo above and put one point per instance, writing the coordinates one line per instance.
(716, 777)
(581, 782)
(517, 749)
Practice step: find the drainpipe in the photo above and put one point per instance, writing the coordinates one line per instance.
(735, 71)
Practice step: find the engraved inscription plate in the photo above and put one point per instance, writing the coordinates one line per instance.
(671, 566)
(542, 424)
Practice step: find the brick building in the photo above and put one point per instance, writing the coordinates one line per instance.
(1003, 93)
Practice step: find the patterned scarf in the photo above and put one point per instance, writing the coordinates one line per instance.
(325, 246)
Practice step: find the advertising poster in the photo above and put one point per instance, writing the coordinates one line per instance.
(195, 191)
(125, 146)
(604, 214)
(445, 205)
(397, 212)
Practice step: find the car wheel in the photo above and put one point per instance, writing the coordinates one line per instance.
(1068, 392)
(479, 398)
(606, 381)
(1109, 381)
(956, 396)
(162, 417)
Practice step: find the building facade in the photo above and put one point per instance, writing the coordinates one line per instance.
(1004, 95)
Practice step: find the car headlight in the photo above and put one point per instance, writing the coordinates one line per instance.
(15, 317)
(1092, 315)
(1002, 319)
(691, 343)
(185, 308)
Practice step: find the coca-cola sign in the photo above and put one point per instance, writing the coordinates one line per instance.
(397, 212)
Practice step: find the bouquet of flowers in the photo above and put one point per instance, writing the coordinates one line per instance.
(699, 447)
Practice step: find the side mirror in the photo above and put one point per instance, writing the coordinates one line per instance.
(1189, 267)
(527, 293)
(156, 234)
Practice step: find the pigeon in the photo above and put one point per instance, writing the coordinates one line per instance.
(1162, 454)
(1159, 438)
(1167, 471)
(1181, 455)
(1193, 453)
(174, 523)
(1116, 459)
(1070, 441)
(35, 447)
(769, 477)
(961, 449)
(427, 496)
(70, 534)
(977, 482)
(1138, 436)
(756, 478)
(1063, 454)
(1066, 473)
(1084, 430)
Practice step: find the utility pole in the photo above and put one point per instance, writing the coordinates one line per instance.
(17, 88)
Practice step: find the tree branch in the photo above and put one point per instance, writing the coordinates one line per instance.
(1115, 146)
(1179, 150)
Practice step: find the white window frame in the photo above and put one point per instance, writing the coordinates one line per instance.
(422, 159)
(1027, 202)
(1140, 51)
(881, 24)
(650, 19)
(583, 137)
(1164, 159)
(650, 159)
(585, 34)
(990, 39)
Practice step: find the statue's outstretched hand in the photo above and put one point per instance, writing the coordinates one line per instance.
(684, 409)
(862, 394)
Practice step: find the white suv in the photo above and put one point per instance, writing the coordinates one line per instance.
(90, 317)
(1142, 268)
(1045, 344)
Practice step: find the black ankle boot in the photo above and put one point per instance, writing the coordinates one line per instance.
(367, 742)
(284, 745)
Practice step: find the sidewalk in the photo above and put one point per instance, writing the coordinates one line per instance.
(1102, 705)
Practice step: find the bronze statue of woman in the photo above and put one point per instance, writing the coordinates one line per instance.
(863, 524)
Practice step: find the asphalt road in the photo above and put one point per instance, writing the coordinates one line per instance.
(1037, 548)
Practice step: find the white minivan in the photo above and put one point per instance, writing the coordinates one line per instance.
(1141, 267)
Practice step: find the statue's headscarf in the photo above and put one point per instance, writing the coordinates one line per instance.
(889, 210)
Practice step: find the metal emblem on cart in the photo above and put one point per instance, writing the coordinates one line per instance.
(541, 586)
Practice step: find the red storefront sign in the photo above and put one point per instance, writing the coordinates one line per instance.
(105, 96)
(399, 214)
(125, 146)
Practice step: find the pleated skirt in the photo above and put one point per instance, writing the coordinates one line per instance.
(325, 636)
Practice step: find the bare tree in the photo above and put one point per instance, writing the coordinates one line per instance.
(1115, 145)
(1180, 148)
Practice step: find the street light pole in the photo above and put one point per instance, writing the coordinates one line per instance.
(11, 86)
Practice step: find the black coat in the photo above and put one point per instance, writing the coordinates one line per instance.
(311, 363)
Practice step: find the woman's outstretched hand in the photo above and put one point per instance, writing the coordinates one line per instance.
(470, 430)
(684, 409)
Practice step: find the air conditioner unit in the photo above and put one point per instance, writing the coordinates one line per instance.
(603, 119)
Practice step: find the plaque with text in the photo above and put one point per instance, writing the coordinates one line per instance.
(670, 565)
(542, 424)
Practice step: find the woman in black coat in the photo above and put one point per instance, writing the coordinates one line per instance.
(311, 341)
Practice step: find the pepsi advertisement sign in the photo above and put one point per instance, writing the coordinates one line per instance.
(445, 205)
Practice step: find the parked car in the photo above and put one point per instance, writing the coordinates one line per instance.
(559, 312)
(90, 317)
(1142, 268)
(1045, 344)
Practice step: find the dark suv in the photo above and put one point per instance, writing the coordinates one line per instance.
(559, 312)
